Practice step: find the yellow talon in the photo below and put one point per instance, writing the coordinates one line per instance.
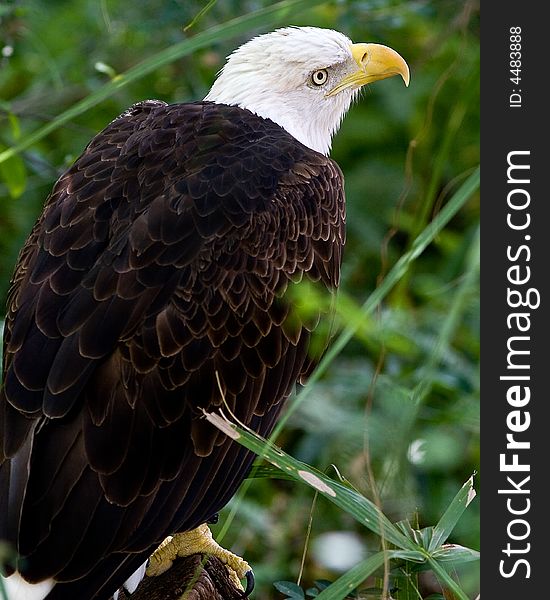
(197, 541)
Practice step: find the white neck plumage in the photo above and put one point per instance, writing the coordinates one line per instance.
(314, 129)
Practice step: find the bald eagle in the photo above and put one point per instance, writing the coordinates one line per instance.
(151, 288)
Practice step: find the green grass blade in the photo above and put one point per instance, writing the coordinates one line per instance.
(353, 578)
(459, 199)
(455, 554)
(267, 472)
(446, 580)
(451, 516)
(451, 322)
(264, 18)
(348, 582)
(356, 505)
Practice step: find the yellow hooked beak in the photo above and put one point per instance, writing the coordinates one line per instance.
(374, 62)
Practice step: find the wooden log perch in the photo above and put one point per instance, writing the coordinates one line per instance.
(193, 577)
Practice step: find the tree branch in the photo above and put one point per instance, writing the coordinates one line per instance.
(195, 577)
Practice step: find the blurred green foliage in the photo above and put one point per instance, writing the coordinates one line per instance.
(397, 412)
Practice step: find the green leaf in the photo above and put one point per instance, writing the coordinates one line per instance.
(453, 513)
(322, 584)
(409, 555)
(421, 537)
(200, 14)
(312, 592)
(446, 580)
(268, 472)
(292, 590)
(455, 554)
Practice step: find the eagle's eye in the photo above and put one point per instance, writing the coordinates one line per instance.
(319, 77)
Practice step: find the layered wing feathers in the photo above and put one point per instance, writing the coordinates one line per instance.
(157, 269)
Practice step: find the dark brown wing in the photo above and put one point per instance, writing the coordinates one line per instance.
(155, 276)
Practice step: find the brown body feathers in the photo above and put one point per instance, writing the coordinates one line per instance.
(158, 265)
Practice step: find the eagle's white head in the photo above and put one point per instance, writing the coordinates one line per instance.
(304, 79)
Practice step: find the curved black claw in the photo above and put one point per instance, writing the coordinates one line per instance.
(250, 583)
